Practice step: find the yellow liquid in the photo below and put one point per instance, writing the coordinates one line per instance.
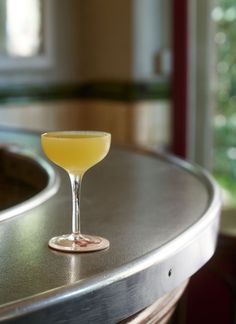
(76, 152)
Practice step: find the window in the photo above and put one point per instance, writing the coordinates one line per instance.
(21, 28)
(39, 44)
(25, 35)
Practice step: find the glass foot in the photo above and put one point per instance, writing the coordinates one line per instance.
(81, 243)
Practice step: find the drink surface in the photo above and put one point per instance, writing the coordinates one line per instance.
(76, 152)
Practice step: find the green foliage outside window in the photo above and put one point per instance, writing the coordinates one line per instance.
(224, 16)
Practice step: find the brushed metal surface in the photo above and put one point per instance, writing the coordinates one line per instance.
(160, 214)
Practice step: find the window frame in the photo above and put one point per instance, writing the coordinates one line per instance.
(200, 97)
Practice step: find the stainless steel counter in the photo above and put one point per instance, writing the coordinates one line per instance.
(160, 214)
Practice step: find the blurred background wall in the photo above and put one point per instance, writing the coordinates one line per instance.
(116, 53)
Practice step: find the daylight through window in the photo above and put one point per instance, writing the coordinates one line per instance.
(20, 28)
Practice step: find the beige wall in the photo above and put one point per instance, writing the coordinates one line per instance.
(136, 124)
(120, 40)
(106, 39)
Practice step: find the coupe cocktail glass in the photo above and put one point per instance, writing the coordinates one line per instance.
(76, 152)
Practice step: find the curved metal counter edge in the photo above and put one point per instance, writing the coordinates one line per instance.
(121, 292)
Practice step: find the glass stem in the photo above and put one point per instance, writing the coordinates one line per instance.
(76, 189)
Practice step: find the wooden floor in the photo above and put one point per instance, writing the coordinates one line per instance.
(145, 123)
